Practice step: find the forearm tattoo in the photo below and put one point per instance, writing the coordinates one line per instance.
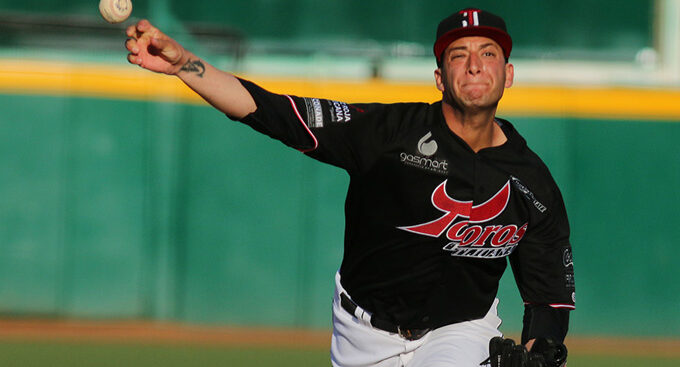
(195, 66)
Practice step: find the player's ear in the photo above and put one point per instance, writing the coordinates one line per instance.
(438, 79)
(509, 74)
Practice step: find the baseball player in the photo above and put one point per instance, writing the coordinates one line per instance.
(440, 197)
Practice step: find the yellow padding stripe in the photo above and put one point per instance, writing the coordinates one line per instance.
(90, 80)
(132, 83)
(601, 102)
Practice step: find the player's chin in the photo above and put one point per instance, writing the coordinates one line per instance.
(477, 103)
(482, 101)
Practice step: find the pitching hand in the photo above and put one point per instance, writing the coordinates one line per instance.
(153, 50)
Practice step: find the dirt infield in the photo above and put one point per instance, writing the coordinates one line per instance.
(159, 332)
(164, 332)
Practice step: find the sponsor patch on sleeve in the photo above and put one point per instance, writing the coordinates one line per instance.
(567, 257)
(568, 262)
(323, 111)
(528, 194)
(314, 112)
(339, 111)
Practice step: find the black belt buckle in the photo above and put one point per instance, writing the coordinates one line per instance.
(411, 334)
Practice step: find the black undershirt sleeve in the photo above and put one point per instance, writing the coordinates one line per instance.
(545, 321)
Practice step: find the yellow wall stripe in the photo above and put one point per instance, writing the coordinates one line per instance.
(600, 102)
(132, 83)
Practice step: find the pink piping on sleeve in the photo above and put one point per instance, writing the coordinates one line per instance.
(557, 305)
(297, 113)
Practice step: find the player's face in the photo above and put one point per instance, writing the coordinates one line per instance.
(473, 73)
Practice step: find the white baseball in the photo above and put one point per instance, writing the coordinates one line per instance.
(115, 11)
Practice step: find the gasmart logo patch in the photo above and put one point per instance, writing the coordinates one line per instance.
(468, 238)
(427, 147)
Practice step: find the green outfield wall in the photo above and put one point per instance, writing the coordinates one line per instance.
(607, 29)
(137, 209)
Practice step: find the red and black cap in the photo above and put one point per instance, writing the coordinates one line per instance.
(471, 22)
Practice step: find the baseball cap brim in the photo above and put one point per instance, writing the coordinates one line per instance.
(502, 38)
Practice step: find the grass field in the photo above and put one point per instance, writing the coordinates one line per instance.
(62, 354)
(41, 343)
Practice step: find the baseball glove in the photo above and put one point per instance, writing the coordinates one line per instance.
(544, 353)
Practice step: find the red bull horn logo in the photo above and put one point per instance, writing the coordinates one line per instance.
(468, 239)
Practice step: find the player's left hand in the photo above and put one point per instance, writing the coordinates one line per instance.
(544, 353)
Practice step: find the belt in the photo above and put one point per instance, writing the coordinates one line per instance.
(382, 324)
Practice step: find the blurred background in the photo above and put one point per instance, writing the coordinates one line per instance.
(125, 197)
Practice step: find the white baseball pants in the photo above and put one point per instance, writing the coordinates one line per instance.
(355, 343)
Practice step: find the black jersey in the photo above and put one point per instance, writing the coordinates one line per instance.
(429, 222)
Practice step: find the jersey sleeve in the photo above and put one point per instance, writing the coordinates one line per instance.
(544, 271)
(349, 136)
